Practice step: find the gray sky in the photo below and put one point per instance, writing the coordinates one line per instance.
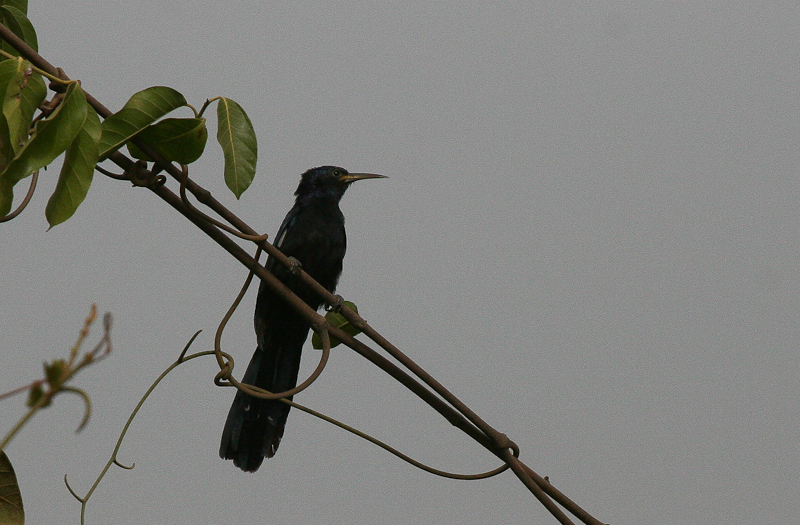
(589, 234)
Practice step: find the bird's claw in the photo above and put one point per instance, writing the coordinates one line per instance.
(294, 266)
(336, 307)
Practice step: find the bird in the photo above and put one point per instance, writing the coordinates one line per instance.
(313, 234)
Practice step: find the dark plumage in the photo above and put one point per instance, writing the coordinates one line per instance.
(313, 233)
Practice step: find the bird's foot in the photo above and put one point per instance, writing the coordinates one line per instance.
(336, 307)
(294, 266)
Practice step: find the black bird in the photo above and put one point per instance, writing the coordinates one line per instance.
(313, 233)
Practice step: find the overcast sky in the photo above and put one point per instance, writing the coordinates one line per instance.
(589, 233)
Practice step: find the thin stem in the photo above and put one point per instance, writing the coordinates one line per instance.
(26, 200)
(21, 423)
(113, 460)
(396, 452)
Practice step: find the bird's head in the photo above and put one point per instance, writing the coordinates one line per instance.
(329, 181)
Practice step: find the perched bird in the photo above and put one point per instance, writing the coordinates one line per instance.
(313, 233)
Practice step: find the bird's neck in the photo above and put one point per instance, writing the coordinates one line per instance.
(319, 198)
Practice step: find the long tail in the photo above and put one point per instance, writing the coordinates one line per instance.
(255, 426)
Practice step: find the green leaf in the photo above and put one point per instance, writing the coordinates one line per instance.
(180, 140)
(8, 69)
(49, 140)
(24, 94)
(339, 321)
(11, 511)
(238, 140)
(16, 21)
(76, 173)
(143, 108)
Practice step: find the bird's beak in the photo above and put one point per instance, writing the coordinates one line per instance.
(352, 177)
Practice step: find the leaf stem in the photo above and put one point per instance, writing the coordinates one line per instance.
(42, 72)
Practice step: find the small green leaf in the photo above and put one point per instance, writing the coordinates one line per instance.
(141, 110)
(49, 140)
(180, 140)
(11, 511)
(16, 21)
(238, 140)
(339, 321)
(24, 94)
(34, 395)
(54, 372)
(76, 173)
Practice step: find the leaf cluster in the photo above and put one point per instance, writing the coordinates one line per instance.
(35, 131)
